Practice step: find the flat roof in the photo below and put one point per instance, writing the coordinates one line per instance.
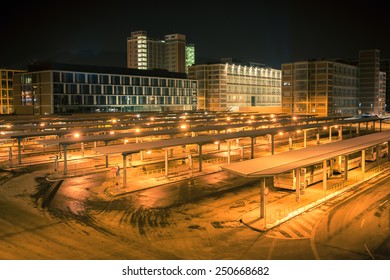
(287, 161)
(106, 70)
(129, 149)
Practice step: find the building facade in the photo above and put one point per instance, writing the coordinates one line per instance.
(148, 53)
(230, 87)
(62, 88)
(385, 67)
(6, 90)
(372, 99)
(321, 87)
(190, 56)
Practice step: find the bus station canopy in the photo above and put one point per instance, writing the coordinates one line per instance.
(286, 161)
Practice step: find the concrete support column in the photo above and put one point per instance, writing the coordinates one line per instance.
(358, 129)
(330, 134)
(200, 157)
(363, 162)
(124, 171)
(380, 125)
(373, 126)
(272, 144)
(304, 138)
(324, 175)
(290, 143)
(94, 144)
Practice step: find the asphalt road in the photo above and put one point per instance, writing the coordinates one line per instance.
(187, 220)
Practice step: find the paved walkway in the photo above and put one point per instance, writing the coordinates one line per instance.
(280, 206)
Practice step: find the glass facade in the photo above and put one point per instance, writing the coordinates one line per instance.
(83, 92)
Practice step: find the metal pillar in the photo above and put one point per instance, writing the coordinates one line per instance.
(346, 167)
(124, 171)
(106, 155)
(19, 152)
(324, 175)
(262, 197)
(341, 132)
(304, 138)
(272, 144)
(229, 150)
(200, 157)
(330, 134)
(358, 129)
(166, 163)
(252, 147)
(297, 177)
(82, 149)
(318, 136)
(65, 161)
(363, 162)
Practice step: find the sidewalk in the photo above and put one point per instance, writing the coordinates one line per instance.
(280, 210)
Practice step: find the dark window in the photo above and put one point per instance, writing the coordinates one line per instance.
(104, 79)
(80, 78)
(93, 79)
(125, 80)
(58, 88)
(115, 80)
(136, 81)
(56, 77)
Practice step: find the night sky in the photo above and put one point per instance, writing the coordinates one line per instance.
(268, 32)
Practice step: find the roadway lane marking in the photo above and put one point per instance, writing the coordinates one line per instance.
(365, 246)
(383, 202)
(362, 223)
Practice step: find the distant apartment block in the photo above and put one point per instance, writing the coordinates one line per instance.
(385, 67)
(63, 88)
(372, 95)
(148, 53)
(224, 86)
(6, 90)
(321, 87)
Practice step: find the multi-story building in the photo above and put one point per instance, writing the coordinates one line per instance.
(371, 97)
(144, 52)
(322, 87)
(190, 56)
(63, 88)
(175, 53)
(224, 86)
(385, 67)
(6, 90)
